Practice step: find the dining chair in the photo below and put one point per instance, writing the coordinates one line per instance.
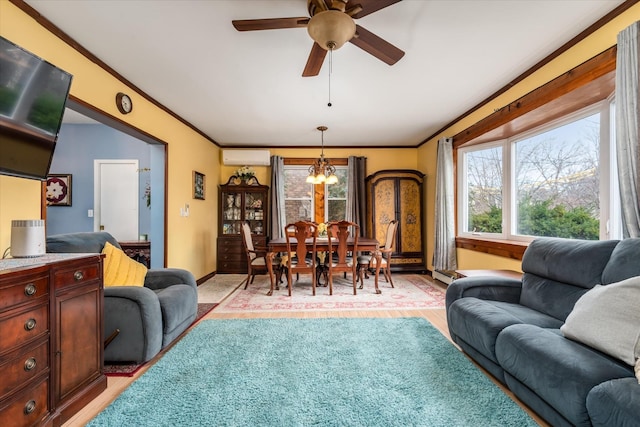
(256, 256)
(299, 258)
(367, 261)
(339, 259)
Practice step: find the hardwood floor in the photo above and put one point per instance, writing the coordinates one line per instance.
(437, 317)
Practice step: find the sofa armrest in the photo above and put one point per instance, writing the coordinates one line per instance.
(484, 287)
(162, 278)
(135, 312)
(614, 403)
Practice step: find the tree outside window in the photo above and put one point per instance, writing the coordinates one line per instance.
(550, 185)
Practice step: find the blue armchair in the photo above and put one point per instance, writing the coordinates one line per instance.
(150, 317)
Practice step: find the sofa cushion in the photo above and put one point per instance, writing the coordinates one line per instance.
(560, 371)
(614, 403)
(575, 262)
(555, 299)
(559, 271)
(120, 270)
(478, 322)
(623, 263)
(608, 318)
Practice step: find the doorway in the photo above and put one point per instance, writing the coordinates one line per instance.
(91, 135)
(116, 198)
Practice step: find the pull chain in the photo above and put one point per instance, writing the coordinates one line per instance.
(330, 70)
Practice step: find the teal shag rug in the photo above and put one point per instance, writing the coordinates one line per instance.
(313, 372)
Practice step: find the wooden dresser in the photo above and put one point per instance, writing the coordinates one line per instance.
(139, 250)
(51, 340)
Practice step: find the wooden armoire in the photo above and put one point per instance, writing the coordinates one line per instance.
(398, 194)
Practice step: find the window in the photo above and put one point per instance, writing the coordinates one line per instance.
(336, 207)
(300, 197)
(483, 198)
(552, 181)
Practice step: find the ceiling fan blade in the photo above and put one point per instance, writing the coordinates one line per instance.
(381, 49)
(369, 6)
(314, 62)
(269, 24)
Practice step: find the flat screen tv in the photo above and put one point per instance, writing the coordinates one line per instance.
(33, 95)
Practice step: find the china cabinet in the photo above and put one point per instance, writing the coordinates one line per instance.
(398, 194)
(240, 200)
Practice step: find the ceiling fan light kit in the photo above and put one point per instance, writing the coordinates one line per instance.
(331, 29)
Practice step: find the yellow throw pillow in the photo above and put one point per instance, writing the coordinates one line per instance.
(120, 270)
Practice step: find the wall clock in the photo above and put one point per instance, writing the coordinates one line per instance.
(124, 103)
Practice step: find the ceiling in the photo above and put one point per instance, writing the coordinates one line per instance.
(245, 89)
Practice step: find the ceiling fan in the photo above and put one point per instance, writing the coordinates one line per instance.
(330, 26)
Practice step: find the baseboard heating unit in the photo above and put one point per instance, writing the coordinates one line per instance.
(445, 276)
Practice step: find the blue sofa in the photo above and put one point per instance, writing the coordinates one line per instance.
(150, 317)
(512, 329)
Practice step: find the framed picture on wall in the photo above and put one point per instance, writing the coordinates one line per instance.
(198, 185)
(59, 190)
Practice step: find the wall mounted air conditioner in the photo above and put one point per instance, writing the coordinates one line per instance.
(246, 157)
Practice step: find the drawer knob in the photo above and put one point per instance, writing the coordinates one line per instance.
(78, 275)
(30, 289)
(29, 364)
(30, 324)
(30, 407)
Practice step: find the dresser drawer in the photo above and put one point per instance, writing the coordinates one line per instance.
(27, 408)
(23, 326)
(76, 276)
(230, 247)
(24, 291)
(232, 257)
(232, 267)
(23, 367)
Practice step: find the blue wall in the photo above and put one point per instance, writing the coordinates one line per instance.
(77, 147)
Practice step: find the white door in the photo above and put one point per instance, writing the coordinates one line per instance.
(116, 198)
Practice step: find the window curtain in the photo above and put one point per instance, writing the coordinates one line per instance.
(627, 127)
(277, 217)
(444, 250)
(356, 205)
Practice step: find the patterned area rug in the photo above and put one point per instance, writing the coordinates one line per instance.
(129, 369)
(412, 291)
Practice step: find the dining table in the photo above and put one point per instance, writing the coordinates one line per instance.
(365, 244)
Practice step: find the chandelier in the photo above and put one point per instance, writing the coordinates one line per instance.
(321, 171)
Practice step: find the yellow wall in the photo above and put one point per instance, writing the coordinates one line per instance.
(599, 41)
(16, 202)
(187, 150)
(377, 159)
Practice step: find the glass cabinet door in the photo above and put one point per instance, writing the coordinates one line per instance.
(255, 204)
(231, 213)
